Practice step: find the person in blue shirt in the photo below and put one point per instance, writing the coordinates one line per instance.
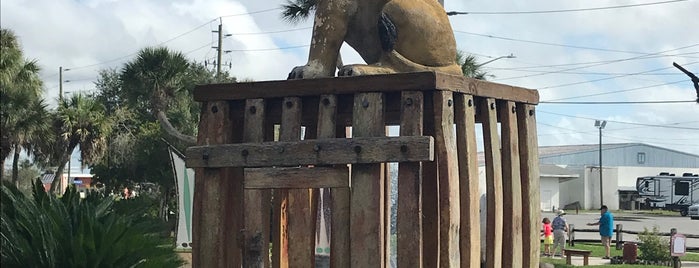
(606, 228)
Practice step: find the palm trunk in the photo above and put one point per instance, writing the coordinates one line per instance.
(59, 171)
(2, 169)
(172, 131)
(15, 166)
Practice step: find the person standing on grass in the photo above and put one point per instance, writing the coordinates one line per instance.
(560, 227)
(548, 236)
(606, 229)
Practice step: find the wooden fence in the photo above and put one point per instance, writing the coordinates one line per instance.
(252, 157)
(618, 239)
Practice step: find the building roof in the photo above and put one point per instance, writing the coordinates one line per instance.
(545, 151)
(548, 170)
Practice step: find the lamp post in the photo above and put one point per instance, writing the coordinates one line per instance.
(511, 56)
(600, 124)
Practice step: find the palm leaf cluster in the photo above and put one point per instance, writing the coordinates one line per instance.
(48, 231)
(295, 11)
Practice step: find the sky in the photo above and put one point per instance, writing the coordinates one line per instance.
(617, 54)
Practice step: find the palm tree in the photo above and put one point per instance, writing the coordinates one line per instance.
(32, 129)
(20, 91)
(152, 81)
(79, 121)
(470, 67)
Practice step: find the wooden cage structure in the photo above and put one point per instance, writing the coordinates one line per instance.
(253, 167)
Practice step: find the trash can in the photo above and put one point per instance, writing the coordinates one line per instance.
(630, 252)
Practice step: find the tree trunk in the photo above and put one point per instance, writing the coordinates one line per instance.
(15, 166)
(172, 131)
(59, 171)
(2, 169)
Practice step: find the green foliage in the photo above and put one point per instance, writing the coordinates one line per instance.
(295, 11)
(47, 231)
(653, 247)
(469, 66)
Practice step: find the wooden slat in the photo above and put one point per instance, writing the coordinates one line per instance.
(366, 228)
(370, 83)
(529, 170)
(469, 192)
(360, 150)
(301, 220)
(445, 143)
(430, 196)
(493, 170)
(409, 218)
(512, 189)
(257, 202)
(297, 177)
(218, 202)
(340, 197)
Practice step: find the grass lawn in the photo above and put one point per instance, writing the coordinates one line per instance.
(598, 251)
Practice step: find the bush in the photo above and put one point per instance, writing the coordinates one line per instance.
(48, 231)
(653, 247)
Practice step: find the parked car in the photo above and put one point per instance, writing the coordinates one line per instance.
(693, 211)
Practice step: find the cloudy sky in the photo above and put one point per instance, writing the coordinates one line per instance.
(618, 54)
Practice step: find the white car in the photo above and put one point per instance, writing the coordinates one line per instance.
(693, 211)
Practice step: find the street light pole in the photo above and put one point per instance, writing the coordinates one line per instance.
(511, 56)
(600, 124)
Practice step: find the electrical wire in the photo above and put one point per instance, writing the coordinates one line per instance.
(616, 102)
(450, 13)
(593, 133)
(621, 122)
(619, 91)
(608, 78)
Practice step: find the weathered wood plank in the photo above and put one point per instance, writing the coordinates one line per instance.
(339, 197)
(371, 83)
(257, 202)
(360, 150)
(430, 195)
(218, 203)
(297, 177)
(449, 205)
(493, 170)
(529, 170)
(469, 192)
(301, 220)
(512, 189)
(367, 207)
(409, 215)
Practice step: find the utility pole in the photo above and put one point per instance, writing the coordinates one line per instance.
(60, 84)
(219, 49)
(600, 124)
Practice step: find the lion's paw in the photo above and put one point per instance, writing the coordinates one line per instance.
(360, 69)
(308, 71)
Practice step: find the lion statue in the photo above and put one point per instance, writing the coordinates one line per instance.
(392, 36)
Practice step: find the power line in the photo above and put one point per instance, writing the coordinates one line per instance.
(593, 133)
(608, 78)
(598, 64)
(256, 12)
(617, 102)
(267, 49)
(585, 63)
(450, 13)
(273, 32)
(619, 91)
(621, 122)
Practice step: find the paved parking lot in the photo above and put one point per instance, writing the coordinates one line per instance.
(634, 222)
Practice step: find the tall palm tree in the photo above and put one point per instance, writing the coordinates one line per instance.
(20, 89)
(152, 81)
(32, 130)
(79, 121)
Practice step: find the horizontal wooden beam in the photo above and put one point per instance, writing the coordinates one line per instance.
(421, 81)
(297, 177)
(365, 150)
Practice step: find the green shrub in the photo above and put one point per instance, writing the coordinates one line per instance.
(653, 247)
(48, 231)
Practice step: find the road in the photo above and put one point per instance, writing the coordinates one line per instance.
(634, 222)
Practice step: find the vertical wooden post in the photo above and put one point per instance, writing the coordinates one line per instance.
(218, 195)
(430, 196)
(257, 202)
(301, 220)
(340, 197)
(445, 145)
(409, 218)
(367, 201)
(571, 235)
(529, 170)
(469, 190)
(512, 187)
(493, 170)
(619, 236)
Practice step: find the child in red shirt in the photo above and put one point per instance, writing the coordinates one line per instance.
(548, 236)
